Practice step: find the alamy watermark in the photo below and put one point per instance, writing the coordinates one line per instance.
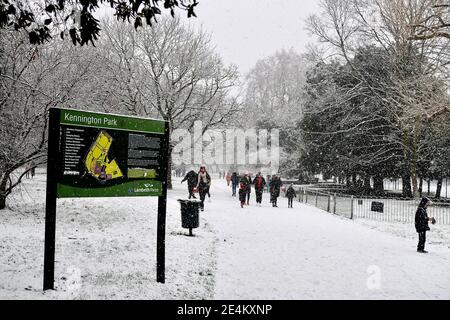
(231, 146)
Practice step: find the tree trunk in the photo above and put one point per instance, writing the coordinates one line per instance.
(439, 188)
(378, 185)
(3, 184)
(367, 187)
(428, 183)
(420, 186)
(406, 182)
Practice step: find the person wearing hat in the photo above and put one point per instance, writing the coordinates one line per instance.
(204, 182)
(421, 223)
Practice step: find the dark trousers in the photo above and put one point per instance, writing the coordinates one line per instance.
(202, 198)
(233, 188)
(290, 201)
(248, 195)
(422, 239)
(259, 193)
(191, 192)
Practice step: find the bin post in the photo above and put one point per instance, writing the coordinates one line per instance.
(352, 209)
(329, 202)
(334, 198)
(317, 196)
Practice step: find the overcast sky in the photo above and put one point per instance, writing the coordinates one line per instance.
(247, 30)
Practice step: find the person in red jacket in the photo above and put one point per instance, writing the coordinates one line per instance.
(259, 183)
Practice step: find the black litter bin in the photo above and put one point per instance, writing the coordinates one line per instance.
(189, 214)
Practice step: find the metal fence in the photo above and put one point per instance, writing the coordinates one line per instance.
(381, 209)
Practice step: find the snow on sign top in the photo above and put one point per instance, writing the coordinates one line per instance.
(110, 121)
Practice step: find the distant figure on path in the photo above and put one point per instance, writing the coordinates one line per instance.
(259, 183)
(192, 181)
(204, 182)
(275, 187)
(234, 183)
(248, 181)
(244, 187)
(228, 178)
(290, 194)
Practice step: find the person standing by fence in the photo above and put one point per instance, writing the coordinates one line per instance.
(421, 223)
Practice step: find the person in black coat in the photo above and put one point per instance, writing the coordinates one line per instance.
(192, 180)
(234, 183)
(275, 187)
(290, 194)
(421, 223)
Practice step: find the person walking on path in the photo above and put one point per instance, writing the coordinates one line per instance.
(192, 181)
(248, 181)
(421, 223)
(244, 186)
(234, 183)
(228, 178)
(290, 194)
(259, 183)
(204, 182)
(275, 186)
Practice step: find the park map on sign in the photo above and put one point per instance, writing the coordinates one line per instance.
(97, 163)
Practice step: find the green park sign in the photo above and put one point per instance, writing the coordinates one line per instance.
(104, 155)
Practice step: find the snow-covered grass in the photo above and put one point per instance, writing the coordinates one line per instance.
(106, 249)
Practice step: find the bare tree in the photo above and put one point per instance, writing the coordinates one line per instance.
(172, 72)
(32, 79)
(415, 87)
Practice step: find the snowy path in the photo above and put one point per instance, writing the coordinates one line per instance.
(305, 253)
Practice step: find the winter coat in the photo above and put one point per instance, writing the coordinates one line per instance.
(243, 192)
(290, 193)
(191, 178)
(247, 182)
(275, 186)
(204, 182)
(235, 179)
(421, 220)
(259, 182)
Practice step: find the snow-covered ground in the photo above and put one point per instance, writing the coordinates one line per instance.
(106, 249)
